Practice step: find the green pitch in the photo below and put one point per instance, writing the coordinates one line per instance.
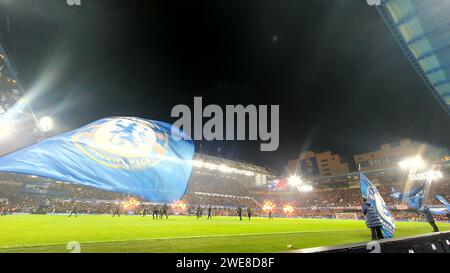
(51, 233)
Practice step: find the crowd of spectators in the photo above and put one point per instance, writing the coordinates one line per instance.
(217, 184)
(224, 199)
(39, 204)
(218, 200)
(347, 197)
(36, 204)
(68, 190)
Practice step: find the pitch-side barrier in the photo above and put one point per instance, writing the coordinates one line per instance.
(427, 243)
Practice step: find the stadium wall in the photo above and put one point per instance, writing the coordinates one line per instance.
(428, 243)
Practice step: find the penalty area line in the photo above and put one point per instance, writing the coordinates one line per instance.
(183, 237)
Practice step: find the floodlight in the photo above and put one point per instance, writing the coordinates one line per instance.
(46, 124)
(412, 163)
(294, 180)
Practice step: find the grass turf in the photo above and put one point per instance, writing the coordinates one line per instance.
(102, 233)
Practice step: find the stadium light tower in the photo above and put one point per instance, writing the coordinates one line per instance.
(294, 180)
(46, 124)
(412, 163)
(430, 175)
(433, 175)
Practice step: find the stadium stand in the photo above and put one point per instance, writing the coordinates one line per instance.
(215, 182)
(25, 194)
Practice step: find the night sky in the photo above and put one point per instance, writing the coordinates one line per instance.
(334, 68)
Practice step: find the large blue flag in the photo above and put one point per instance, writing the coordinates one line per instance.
(414, 199)
(121, 154)
(370, 192)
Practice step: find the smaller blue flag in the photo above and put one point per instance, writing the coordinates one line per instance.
(414, 199)
(120, 154)
(370, 192)
(443, 201)
(441, 210)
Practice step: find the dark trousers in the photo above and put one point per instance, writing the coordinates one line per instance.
(116, 213)
(376, 233)
(435, 228)
(73, 212)
(164, 213)
(209, 217)
(155, 214)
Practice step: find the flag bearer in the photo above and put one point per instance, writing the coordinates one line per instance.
(372, 220)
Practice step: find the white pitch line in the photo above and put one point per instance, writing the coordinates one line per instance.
(186, 237)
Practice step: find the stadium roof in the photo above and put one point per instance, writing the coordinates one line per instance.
(235, 163)
(422, 28)
(5, 64)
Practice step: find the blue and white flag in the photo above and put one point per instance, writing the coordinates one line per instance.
(120, 154)
(414, 199)
(439, 211)
(443, 201)
(442, 210)
(370, 192)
